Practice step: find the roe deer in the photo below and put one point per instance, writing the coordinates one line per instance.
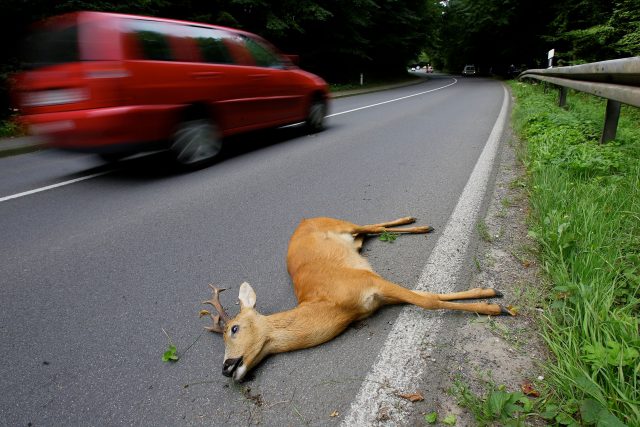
(334, 285)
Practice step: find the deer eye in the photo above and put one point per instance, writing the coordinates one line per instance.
(234, 329)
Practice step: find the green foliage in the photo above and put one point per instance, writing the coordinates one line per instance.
(336, 39)
(10, 128)
(496, 405)
(595, 30)
(492, 34)
(431, 418)
(388, 237)
(585, 200)
(171, 354)
(449, 420)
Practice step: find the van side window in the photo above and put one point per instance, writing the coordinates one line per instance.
(154, 46)
(211, 44)
(263, 56)
(152, 39)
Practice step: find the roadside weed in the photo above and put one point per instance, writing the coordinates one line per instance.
(388, 237)
(171, 354)
(585, 217)
(483, 231)
(495, 406)
(431, 418)
(449, 420)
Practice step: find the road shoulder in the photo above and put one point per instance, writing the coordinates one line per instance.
(487, 353)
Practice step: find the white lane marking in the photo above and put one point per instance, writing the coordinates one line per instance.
(398, 367)
(38, 190)
(50, 187)
(394, 100)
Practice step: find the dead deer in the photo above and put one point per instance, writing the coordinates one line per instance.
(335, 286)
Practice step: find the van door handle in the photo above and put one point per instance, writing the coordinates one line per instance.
(259, 76)
(206, 74)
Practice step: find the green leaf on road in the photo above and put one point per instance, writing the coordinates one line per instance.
(170, 355)
(431, 418)
(386, 236)
(450, 420)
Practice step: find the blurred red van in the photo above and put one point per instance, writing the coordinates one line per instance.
(117, 84)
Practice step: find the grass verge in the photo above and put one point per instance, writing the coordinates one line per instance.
(585, 200)
(10, 128)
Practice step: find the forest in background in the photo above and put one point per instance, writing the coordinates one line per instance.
(341, 39)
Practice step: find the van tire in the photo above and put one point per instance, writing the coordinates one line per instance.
(195, 142)
(316, 115)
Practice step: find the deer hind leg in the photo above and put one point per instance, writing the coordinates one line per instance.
(384, 226)
(395, 294)
(400, 221)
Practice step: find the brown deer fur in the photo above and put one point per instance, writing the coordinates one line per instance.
(335, 286)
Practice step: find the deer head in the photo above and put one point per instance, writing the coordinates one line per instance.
(244, 336)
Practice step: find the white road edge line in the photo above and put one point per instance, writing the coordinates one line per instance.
(50, 187)
(399, 367)
(393, 100)
(38, 190)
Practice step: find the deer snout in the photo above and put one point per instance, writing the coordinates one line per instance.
(230, 365)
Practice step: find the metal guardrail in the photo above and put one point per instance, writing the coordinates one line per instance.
(617, 80)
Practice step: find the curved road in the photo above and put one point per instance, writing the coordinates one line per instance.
(95, 269)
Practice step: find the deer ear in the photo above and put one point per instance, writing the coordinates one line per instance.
(247, 296)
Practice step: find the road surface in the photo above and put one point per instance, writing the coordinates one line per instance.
(99, 262)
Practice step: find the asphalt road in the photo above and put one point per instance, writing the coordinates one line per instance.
(95, 270)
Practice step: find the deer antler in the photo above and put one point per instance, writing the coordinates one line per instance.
(220, 319)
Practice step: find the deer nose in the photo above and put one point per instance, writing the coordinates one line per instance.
(230, 365)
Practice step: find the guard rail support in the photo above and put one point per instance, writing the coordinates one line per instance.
(618, 81)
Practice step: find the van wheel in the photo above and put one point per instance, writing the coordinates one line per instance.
(316, 115)
(195, 142)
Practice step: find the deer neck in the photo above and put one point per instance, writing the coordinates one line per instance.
(307, 325)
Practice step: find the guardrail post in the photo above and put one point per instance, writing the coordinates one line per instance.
(562, 101)
(610, 121)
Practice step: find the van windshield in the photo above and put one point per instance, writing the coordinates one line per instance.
(51, 46)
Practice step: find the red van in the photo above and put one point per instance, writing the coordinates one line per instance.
(118, 84)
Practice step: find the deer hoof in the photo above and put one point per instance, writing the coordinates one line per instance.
(498, 294)
(506, 312)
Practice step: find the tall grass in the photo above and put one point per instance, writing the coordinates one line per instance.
(585, 200)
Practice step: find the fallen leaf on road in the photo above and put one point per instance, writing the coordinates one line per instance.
(412, 397)
(204, 313)
(335, 414)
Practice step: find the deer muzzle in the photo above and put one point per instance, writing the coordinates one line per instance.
(230, 365)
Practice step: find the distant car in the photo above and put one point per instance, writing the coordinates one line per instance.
(469, 70)
(116, 85)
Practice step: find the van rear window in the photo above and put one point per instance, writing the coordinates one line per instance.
(51, 46)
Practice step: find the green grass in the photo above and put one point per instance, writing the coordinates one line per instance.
(585, 200)
(495, 406)
(10, 128)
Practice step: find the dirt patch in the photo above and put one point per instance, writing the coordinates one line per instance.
(501, 350)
